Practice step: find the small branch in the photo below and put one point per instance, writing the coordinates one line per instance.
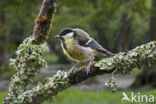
(43, 21)
(29, 54)
(144, 54)
(120, 63)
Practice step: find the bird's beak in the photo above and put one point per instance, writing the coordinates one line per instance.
(57, 36)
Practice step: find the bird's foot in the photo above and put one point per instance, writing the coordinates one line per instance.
(88, 67)
(73, 68)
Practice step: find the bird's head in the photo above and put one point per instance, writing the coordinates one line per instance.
(76, 33)
(66, 33)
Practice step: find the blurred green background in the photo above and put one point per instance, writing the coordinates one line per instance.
(118, 25)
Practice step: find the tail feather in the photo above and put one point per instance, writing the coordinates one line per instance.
(104, 51)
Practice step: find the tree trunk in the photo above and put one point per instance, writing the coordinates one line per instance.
(4, 59)
(148, 76)
(101, 35)
(123, 39)
(152, 24)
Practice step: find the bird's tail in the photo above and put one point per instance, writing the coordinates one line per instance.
(108, 53)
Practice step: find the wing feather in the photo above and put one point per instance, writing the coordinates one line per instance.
(95, 45)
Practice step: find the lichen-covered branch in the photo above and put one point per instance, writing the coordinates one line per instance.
(29, 54)
(43, 21)
(120, 63)
(29, 61)
(45, 89)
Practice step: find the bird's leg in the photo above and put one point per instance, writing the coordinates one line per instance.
(73, 68)
(87, 69)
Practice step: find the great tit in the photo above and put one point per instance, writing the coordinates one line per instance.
(78, 46)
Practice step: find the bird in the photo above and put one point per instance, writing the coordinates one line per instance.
(78, 46)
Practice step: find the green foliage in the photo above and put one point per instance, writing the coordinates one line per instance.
(20, 15)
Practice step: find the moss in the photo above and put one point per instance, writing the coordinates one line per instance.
(46, 89)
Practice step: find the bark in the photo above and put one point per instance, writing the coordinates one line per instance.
(19, 82)
(43, 21)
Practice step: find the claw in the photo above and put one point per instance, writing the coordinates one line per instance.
(74, 68)
(87, 69)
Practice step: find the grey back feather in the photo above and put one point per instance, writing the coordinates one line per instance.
(85, 40)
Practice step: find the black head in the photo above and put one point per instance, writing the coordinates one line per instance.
(65, 31)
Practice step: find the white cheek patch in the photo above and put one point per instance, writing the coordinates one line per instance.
(69, 35)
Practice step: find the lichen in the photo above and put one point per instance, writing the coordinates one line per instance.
(111, 84)
(41, 19)
(47, 88)
(28, 62)
(124, 62)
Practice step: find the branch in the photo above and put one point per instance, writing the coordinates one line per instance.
(120, 63)
(29, 53)
(43, 21)
(29, 61)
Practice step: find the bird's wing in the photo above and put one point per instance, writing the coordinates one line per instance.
(95, 45)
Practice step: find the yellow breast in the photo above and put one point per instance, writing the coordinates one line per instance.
(73, 51)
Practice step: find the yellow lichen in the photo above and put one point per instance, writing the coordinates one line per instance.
(37, 19)
(44, 18)
(40, 19)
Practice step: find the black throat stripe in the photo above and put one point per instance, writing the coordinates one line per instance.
(64, 45)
